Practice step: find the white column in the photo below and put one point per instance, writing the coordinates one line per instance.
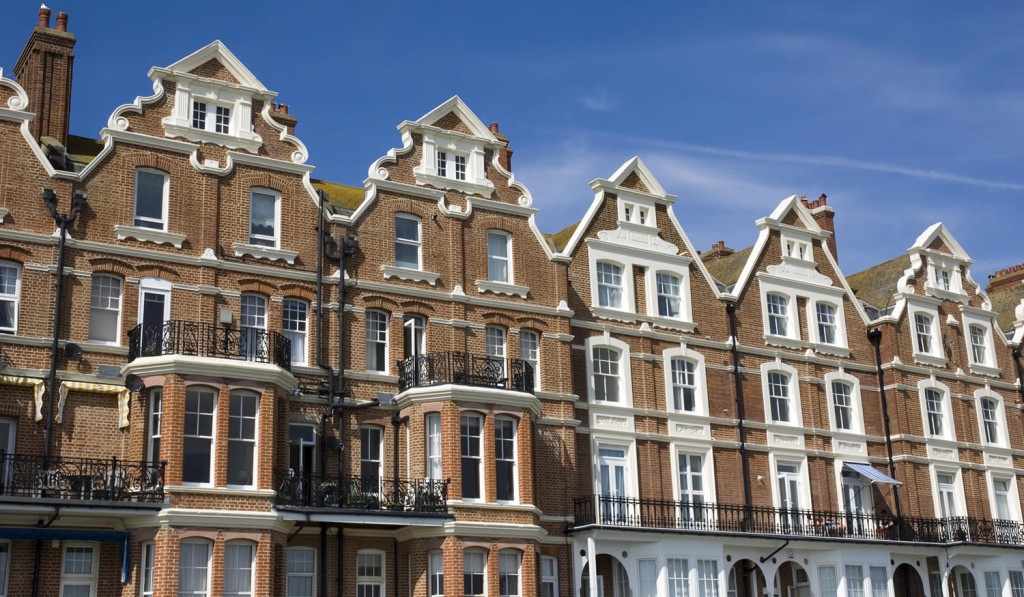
(592, 565)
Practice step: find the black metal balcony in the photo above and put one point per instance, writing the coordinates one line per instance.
(630, 512)
(464, 369)
(207, 340)
(86, 479)
(351, 492)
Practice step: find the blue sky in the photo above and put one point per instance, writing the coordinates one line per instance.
(904, 113)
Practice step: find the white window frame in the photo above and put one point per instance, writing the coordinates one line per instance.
(677, 569)
(496, 345)
(856, 405)
(611, 286)
(852, 588)
(548, 579)
(109, 300)
(700, 392)
(793, 385)
(787, 304)
(211, 116)
(504, 557)
(435, 572)
(80, 579)
(448, 162)
(164, 201)
(476, 553)
(12, 298)
(378, 581)
(800, 461)
(980, 396)
(377, 333)
(416, 243)
(211, 438)
(673, 281)
(252, 567)
(209, 567)
(432, 447)
(298, 333)
(628, 449)
(796, 245)
(310, 575)
(262, 239)
(504, 239)
(935, 355)
(832, 591)
(958, 490)
(482, 482)
(529, 352)
(301, 442)
(838, 333)
(1012, 496)
(708, 585)
(154, 286)
(155, 416)
(978, 318)
(625, 382)
(707, 478)
(504, 419)
(366, 449)
(146, 567)
(239, 420)
(252, 323)
(948, 428)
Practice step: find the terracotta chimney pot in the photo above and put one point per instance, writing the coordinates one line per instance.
(44, 16)
(62, 21)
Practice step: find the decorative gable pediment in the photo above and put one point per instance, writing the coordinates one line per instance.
(215, 61)
(945, 265)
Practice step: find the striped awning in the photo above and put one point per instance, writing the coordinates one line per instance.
(38, 387)
(872, 473)
(123, 396)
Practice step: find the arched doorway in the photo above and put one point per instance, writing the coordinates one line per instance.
(746, 580)
(792, 580)
(907, 582)
(612, 578)
(962, 582)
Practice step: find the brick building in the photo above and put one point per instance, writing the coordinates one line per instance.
(240, 380)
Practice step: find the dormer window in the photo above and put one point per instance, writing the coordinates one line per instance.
(628, 212)
(221, 122)
(942, 278)
(643, 215)
(451, 165)
(798, 249)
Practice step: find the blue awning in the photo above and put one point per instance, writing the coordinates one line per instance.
(872, 473)
(55, 534)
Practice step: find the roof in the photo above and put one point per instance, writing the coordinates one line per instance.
(727, 270)
(83, 149)
(561, 238)
(1004, 300)
(340, 195)
(876, 285)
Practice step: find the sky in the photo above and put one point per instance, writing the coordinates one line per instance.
(903, 113)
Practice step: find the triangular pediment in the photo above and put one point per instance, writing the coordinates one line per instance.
(938, 238)
(791, 211)
(635, 175)
(453, 115)
(215, 61)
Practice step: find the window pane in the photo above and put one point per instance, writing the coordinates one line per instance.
(376, 341)
(237, 569)
(149, 199)
(294, 323)
(262, 216)
(827, 579)
(105, 309)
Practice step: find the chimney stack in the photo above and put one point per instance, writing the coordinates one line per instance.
(505, 154)
(44, 69)
(1005, 277)
(823, 215)
(718, 251)
(279, 112)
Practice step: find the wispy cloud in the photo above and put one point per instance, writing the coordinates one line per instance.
(600, 101)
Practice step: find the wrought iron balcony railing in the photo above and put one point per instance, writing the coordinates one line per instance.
(208, 340)
(351, 492)
(90, 479)
(461, 368)
(633, 512)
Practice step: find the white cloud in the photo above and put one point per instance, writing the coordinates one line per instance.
(599, 101)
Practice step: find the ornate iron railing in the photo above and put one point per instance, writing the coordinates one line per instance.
(633, 512)
(91, 479)
(351, 492)
(461, 368)
(208, 340)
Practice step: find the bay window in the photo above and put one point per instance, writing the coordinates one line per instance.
(197, 450)
(505, 458)
(241, 461)
(194, 568)
(470, 435)
(238, 559)
(370, 573)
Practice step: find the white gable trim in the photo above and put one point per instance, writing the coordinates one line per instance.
(455, 104)
(214, 50)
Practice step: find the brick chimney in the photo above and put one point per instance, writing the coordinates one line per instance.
(823, 215)
(505, 155)
(44, 70)
(1005, 277)
(279, 112)
(718, 251)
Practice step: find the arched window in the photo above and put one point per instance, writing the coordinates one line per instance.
(923, 333)
(606, 374)
(499, 256)
(194, 568)
(253, 323)
(781, 394)
(684, 385)
(828, 330)
(845, 408)
(474, 572)
(529, 351)
(608, 371)
(936, 409)
(669, 289)
(238, 560)
(509, 562)
(264, 217)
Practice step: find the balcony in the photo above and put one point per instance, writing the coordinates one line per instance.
(94, 480)
(208, 340)
(353, 493)
(464, 369)
(724, 519)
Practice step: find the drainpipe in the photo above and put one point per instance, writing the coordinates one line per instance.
(875, 336)
(730, 308)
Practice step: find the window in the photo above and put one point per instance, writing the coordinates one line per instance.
(371, 440)
(993, 584)
(947, 494)
(669, 300)
(200, 404)
(264, 207)
(879, 581)
(499, 256)
(377, 341)
(10, 289)
(151, 190)
(1016, 583)
(979, 344)
(369, 574)
(242, 439)
(474, 563)
(223, 122)
(407, 241)
(778, 320)
(194, 569)
(854, 581)
(156, 408)
(609, 285)
(923, 332)
(508, 573)
(606, 374)
(936, 415)
(778, 394)
(460, 167)
(238, 557)
(684, 385)
(435, 572)
(433, 425)
(648, 577)
(105, 310)
(199, 115)
(470, 435)
(505, 458)
(78, 574)
(1001, 490)
(148, 561)
(707, 578)
(935, 582)
(253, 323)
(529, 351)
(548, 576)
(828, 581)
(797, 249)
(678, 577)
(495, 352)
(691, 486)
(295, 323)
(442, 163)
(842, 402)
(301, 448)
(942, 278)
(826, 323)
(990, 421)
(456, 170)
(301, 572)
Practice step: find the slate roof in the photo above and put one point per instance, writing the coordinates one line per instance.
(727, 270)
(876, 285)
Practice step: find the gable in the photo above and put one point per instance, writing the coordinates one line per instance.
(452, 122)
(213, 69)
(633, 182)
(938, 244)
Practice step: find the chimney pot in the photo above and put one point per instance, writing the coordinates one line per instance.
(62, 21)
(493, 127)
(284, 108)
(44, 16)
(273, 106)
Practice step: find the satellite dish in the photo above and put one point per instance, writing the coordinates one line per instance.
(333, 443)
(73, 352)
(134, 383)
